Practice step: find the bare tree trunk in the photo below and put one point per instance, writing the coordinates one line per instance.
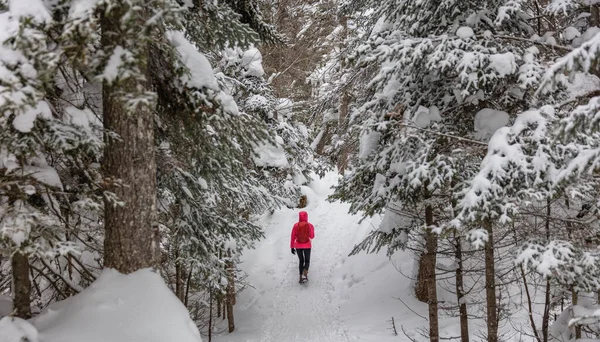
(594, 20)
(131, 231)
(324, 138)
(21, 285)
(490, 285)
(595, 15)
(230, 294)
(218, 306)
(210, 314)
(179, 288)
(529, 306)
(431, 244)
(342, 159)
(546, 315)
(575, 301)
(460, 290)
(187, 286)
(421, 284)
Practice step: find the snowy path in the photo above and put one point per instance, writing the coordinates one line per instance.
(346, 300)
(280, 309)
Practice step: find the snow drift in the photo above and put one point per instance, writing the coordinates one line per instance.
(138, 307)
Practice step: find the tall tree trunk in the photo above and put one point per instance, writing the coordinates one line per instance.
(529, 306)
(431, 244)
(323, 138)
(188, 283)
(179, 287)
(342, 159)
(21, 285)
(210, 314)
(131, 231)
(460, 290)
(230, 294)
(575, 301)
(594, 20)
(595, 15)
(460, 284)
(490, 285)
(546, 315)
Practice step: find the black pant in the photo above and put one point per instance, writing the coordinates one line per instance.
(304, 257)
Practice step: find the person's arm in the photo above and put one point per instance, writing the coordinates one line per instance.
(312, 231)
(293, 237)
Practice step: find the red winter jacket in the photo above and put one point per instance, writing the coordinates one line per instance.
(303, 217)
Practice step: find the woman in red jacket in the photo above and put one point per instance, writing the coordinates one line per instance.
(302, 234)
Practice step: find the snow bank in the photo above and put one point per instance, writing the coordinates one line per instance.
(138, 307)
(15, 329)
(6, 306)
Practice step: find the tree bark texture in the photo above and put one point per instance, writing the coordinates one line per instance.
(131, 231)
(546, 316)
(460, 291)
(342, 129)
(324, 138)
(575, 302)
(490, 285)
(230, 295)
(21, 285)
(431, 244)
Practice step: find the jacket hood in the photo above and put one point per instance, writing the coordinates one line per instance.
(303, 216)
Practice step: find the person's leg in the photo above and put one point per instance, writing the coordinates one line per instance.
(300, 259)
(306, 258)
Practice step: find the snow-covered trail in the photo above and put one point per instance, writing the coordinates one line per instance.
(280, 309)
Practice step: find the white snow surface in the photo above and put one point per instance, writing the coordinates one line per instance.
(586, 36)
(252, 62)
(269, 155)
(488, 120)
(368, 143)
(114, 65)
(82, 8)
(465, 32)
(24, 121)
(14, 329)
(6, 306)
(503, 63)
(346, 298)
(201, 73)
(138, 307)
(30, 8)
(571, 33)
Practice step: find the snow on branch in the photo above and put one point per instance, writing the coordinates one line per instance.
(582, 59)
(558, 6)
(518, 161)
